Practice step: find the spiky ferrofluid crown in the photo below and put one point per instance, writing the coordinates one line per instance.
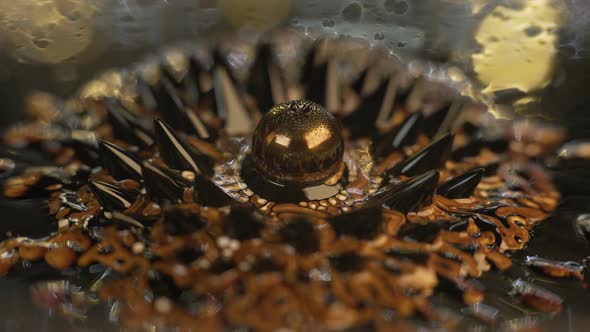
(159, 183)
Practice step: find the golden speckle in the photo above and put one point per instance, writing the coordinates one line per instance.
(188, 175)
(163, 305)
(138, 248)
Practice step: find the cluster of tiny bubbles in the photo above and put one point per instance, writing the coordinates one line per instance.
(47, 31)
(381, 22)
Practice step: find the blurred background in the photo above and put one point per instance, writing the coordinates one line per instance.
(529, 57)
(526, 58)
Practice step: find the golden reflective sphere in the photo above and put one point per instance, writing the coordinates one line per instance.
(298, 143)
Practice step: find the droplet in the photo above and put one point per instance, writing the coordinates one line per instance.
(41, 43)
(399, 7)
(74, 16)
(328, 23)
(533, 31)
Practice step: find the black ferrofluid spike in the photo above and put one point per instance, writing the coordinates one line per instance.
(126, 125)
(430, 157)
(177, 153)
(161, 186)
(119, 163)
(379, 104)
(111, 197)
(265, 81)
(408, 195)
(461, 186)
(405, 134)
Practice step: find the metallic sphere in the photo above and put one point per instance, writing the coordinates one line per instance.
(298, 143)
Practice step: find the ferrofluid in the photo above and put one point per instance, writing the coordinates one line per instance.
(279, 193)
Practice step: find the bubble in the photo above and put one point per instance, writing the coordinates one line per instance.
(352, 12)
(399, 7)
(379, 36)
(41, 43)
(533, 31)
(328, 23)
(73, 16)
(401, 44)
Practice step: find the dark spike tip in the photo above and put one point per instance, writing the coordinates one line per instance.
(260, 81)
(363, 223)
(174, 109)
(461, 186)
(363, 121)
(160, 186)
(220, 60)
(409, 195)
(195, 70)
(229, 104)
(111, 197)
(118, 162)
(359, 83)
(430, 157)
(405, 134)
(403, 93)
(169, 103)
(125, 124)
(308, 70)
(177, 154)
(433, 122)
(315, 86)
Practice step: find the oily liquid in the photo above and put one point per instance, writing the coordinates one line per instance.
(239, 179)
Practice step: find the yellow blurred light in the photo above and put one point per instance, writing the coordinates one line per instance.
(519, 46)
(255, 14)
(47, 31)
